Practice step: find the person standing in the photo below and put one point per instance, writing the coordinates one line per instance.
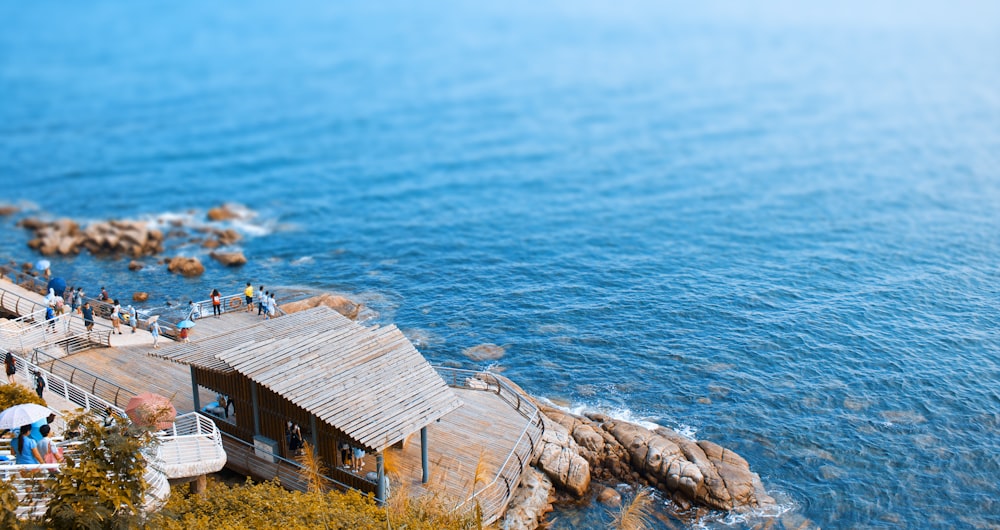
(216, 303)
(154, 330)
(39, 383)
(248, 293)
(260, 300)
(133, 318)
(11, 367)
(27, 448)
(76, 299)
(88, 315)
(116, 317)
(194, 310)
(50, 317)
(50, 453)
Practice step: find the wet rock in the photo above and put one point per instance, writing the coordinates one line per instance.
(223, 213)
(209, 243)
(531, 501)
(140, 296)
(135, 265)
(186, 266)
(230, 259)
(609, 497)
(8, 209)
(227, 236)
(339, 304)
(65, 237)
(691, 473)
(485, 352)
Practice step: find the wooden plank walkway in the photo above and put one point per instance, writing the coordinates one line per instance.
(484, 427)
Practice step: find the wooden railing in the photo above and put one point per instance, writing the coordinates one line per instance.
(494, 497)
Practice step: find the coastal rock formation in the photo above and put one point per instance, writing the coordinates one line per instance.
(8, 209)
(64, 236)
(338, 303)
(692, 473)
(186, 266)
(135, 265)
(559, 457)
(140, 296)
(531, 501)
(230, 259)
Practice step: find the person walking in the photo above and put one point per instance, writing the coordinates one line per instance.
(88, 315)
(154, 330)
(133, 318)
(116, 317)
(272, 306)
(194, 311)
(216, 303)
(248, 293)
(260, 300)
(11, 367)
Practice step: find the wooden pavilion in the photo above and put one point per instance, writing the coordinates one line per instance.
(340, 382)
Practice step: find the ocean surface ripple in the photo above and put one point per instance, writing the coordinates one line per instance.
(773, 227)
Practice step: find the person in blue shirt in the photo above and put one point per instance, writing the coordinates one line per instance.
(26, 448)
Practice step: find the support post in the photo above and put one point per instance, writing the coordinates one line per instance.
(380, 491)
(194, 391)
(255, 407)
(423, 456)
(315, 434)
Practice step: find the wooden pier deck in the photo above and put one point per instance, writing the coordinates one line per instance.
(485, 428)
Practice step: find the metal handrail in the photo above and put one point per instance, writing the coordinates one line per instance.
(492, 497)
(28, 281)
(113, 396)
(63, 388)
(332, 481)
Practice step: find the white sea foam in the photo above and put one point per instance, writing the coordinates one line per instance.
(304, 260)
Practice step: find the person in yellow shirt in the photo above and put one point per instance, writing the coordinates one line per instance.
(248, 293)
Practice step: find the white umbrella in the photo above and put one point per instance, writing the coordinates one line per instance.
(22, 414)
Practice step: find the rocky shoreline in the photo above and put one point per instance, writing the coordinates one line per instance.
(580, 453)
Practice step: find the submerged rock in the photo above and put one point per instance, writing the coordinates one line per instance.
(339, 304)
(485, 352)
(224, 213)
(140, 296)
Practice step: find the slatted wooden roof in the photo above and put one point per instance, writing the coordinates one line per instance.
(368, 382)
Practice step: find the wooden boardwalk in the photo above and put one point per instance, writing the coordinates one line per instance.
(484, 428)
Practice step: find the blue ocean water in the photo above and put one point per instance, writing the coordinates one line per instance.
(774, 227)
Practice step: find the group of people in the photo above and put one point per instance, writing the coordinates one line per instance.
(29, 449)
(352, 458)
(266, 305)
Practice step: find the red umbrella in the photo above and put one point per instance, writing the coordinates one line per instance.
(151, 410)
